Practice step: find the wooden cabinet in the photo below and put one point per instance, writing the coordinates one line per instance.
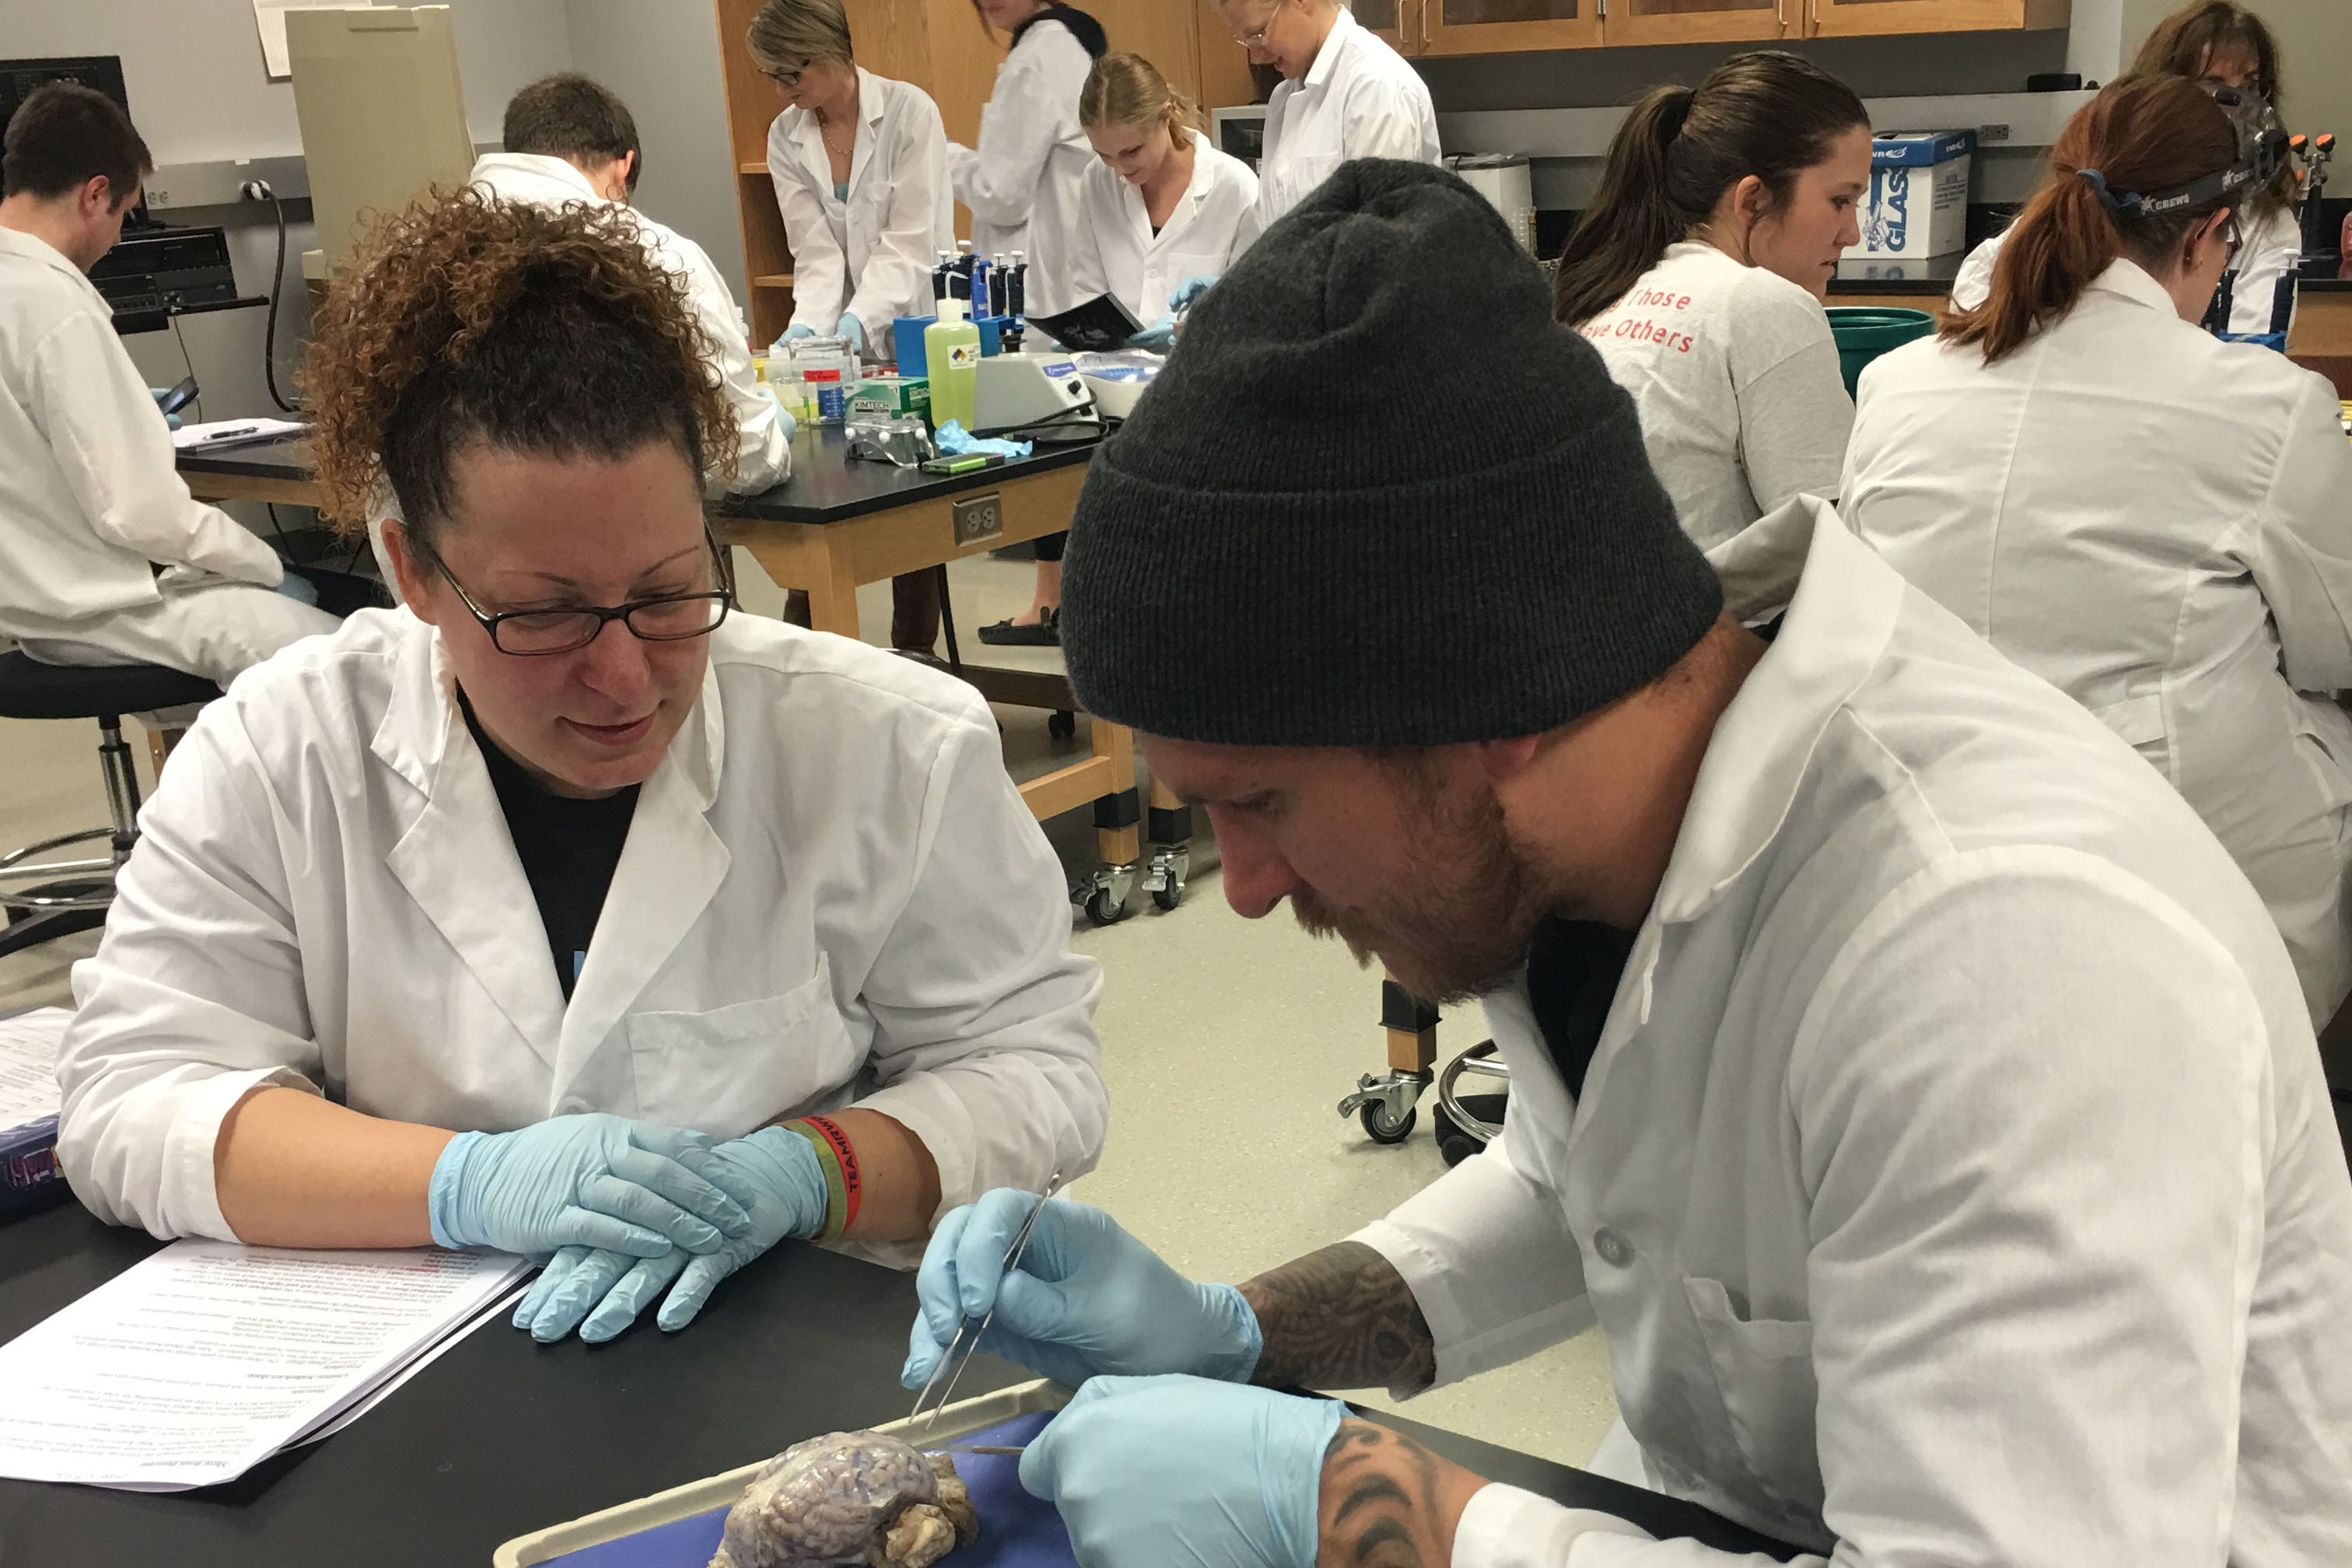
(1496, 27)
(941, 48)
(1499, 27)
(1860, 18)
(1703, 21)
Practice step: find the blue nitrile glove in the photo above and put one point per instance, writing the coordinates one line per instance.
(1158, 337)
(851, 327)
(1087, 1299)
(794, 334)
(1173, 1472)
(300, 589)
(579, 1180)
(1188, 294)
(773, 1174)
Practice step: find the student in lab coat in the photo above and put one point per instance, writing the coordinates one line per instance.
(568, 139)
(2216, 44)
(1907, 1081)
(1022, 180)
(1345, 94)
(1161, 206)
(643, 945)
(91, 505)
(1698, 272)
(2157, 522)
(859, 166)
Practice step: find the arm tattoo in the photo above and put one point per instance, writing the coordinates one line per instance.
(1380, 1504)
(1340, 1317)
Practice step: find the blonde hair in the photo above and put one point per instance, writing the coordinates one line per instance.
(1127, 90)
(791, 35)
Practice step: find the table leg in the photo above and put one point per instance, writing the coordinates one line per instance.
(1117, 813)
(818, 566)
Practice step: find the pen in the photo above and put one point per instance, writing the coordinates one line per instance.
(225, 434)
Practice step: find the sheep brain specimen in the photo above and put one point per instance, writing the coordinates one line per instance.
(852, 1497)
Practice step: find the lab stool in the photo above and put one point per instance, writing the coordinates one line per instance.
(68, 896)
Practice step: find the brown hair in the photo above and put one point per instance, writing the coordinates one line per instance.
(1768, 113)
(2143, 134)
(65, 135)
(791, 35)
(1127, 90)
(463, 322)
(2184, 43)
(569, 116)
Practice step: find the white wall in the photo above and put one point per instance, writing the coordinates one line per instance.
(194, 73)
(662, 57)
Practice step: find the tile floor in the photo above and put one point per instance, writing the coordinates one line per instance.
(1227, 1045)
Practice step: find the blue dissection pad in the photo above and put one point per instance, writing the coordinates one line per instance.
(1016, 1530)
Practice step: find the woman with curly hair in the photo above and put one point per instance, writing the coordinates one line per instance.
(571, 914)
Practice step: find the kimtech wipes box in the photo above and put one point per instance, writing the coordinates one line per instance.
(1917, 205)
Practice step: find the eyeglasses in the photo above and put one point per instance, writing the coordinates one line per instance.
(2233, 241)
(1258, 40)
(785, 80)
(535, 634)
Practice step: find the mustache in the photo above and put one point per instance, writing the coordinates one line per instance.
(1318, 920)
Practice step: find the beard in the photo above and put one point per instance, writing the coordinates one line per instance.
(1466, 905)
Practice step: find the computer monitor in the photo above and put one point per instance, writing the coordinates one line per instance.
(101, 72)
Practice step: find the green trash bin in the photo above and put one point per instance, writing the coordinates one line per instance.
(1866, 331)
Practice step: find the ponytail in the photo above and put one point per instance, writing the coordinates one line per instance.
(2142, 134)
(1769, 114)
(1633, 217)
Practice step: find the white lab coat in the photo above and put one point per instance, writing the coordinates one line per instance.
(764, 449)
(1118, 255)
(872, 255)
(2160, 524)
(90, 503)
(2274, 248)
(1359, 99)
(1022, 182)
(831, 894)
(1954, 1179)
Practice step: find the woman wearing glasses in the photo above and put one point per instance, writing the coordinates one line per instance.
(2151, 519)
(859, 166)
(2216, 44)
(570, 915)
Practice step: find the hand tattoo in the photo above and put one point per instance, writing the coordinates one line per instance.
(1340, 1317)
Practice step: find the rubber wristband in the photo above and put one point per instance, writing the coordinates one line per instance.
(841, 1180)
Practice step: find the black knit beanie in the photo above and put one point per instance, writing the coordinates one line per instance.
(1378, 497)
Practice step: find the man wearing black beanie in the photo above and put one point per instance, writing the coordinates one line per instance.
(1903, 1076)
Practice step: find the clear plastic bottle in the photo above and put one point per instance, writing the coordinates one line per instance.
(826, 371)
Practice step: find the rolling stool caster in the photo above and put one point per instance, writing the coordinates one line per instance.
(68, 895)
(1062, 724)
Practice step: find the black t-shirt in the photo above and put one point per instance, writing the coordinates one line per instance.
(1573, 967)
(569, 849)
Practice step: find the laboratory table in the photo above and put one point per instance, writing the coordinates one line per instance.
(836, 523)
(501, 1436)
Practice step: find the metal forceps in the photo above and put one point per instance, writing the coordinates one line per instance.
(958, 1354)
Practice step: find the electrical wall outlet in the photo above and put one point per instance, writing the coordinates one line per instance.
(979, 519)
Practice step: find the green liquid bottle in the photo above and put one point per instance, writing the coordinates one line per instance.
(951, 353)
